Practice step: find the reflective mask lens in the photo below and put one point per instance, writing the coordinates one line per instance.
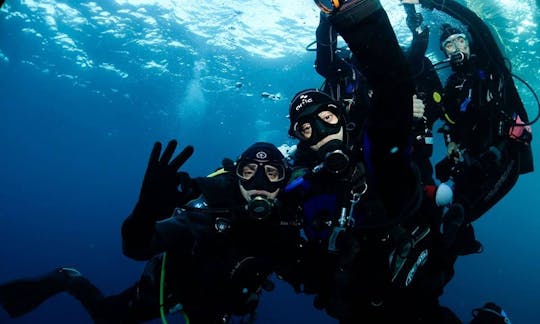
(455, 43)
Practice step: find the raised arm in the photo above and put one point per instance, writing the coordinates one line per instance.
(365, 26)
(326, 37)
(143, 235)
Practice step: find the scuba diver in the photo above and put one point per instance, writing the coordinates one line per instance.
(345, 82)
(210, 260)
(486, 127)
(368, 256)
(348, 226)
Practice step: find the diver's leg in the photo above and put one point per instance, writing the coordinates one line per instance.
(126, 307)
(24, 295)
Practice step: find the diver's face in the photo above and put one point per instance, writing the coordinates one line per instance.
(326, 116)
(456, 43)
(260, 179)
(323, 122)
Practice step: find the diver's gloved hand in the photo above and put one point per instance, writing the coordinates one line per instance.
(422, 33)
(414, 21)
(159, 192)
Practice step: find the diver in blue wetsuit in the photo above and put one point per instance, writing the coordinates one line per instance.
(228, 233)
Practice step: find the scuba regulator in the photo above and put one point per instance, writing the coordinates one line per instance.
(260, 207)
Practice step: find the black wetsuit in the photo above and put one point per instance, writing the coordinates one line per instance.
(221, 257)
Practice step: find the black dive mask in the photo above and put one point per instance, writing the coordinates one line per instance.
(319, 128)
(334, 157)
(267, 177)
(322, 129)
(260, 208)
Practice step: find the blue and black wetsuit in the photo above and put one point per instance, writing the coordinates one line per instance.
(372, 267)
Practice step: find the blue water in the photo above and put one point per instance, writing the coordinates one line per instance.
(86, 88)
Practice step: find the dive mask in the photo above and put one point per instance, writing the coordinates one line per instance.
(314, 127)
(255, 175)
(455, 42)
(456, 47)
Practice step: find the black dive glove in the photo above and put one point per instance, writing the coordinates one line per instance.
(414, 19)
(159, 192)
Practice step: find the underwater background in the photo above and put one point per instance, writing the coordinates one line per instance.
(87, 87)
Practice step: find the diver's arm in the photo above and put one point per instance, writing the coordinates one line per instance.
(417, 49)
(158, 198)
(326, 37)
(141, 241)
(370, 36)
(372, 40)
(137, 232)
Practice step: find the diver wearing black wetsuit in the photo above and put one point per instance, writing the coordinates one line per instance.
(220, 247)
(229, 239)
